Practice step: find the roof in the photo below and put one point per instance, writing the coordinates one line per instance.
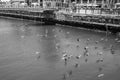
(86, 5)
(17, 0)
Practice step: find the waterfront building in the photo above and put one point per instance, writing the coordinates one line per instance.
(100, 3)
(65, 3)
(2, 4)
(117, 4)
(34, 2)
(86, 6)
(52, 4)
(14, 1)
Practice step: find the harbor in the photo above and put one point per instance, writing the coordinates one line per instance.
(103, 22)
(59, 39)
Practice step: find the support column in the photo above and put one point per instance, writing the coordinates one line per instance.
(39, 2)
(95, 2)
(75, 1)
(81, 2)
(88, 1)
(103, 3)
(64, 1)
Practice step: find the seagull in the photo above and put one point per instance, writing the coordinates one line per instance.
(68, 32)
(99, 60)
(60, 30)
(112, 51)
(57, 46)
(96, 42)
(100, 69)
(64, 55)
(41, 36)
(55, 35)
(78, 57)
(38, 57)
(38, 53)
(22, 36)
(86, 48)
(70, 73)
(88, 39)
(86, 60)
(86, 53)
(96, 47)
(76, 65)
(116, 39)
(102, 39)
(77, 46)
(100, 75)
(78, 39)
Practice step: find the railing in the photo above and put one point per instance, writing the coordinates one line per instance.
(94, 11)
(104, 19)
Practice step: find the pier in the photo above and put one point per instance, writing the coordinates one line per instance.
(104, 22)
(41, 15)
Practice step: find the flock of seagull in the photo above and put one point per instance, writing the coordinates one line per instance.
(66, 57)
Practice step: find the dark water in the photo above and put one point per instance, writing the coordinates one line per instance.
(32, 51)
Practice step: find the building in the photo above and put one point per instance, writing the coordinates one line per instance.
(101, 3)
(29, 2)
(14, 1)
(2, 4)
(52, 3)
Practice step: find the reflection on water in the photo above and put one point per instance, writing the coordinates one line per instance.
(32, 51)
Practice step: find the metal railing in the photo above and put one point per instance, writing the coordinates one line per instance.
(94, 11)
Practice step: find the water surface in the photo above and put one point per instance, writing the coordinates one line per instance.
(33, 51)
